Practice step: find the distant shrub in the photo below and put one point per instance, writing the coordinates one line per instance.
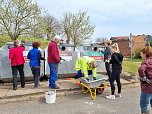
(4, 39)
(137, 53)
(151, 43)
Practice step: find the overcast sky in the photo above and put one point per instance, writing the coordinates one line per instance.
(111, 17)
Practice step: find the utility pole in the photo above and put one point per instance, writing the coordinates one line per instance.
(148, 37)
(130, 46)
(149, 43)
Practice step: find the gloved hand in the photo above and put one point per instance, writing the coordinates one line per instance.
(87, 79)
(94, 78)
(145, 80)
(107, 60)
(61, 61)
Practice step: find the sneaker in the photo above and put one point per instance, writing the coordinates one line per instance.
(56, 86)
(22, 86)
(36, 87)
(118, 95)
(110, 97)
(14, 88)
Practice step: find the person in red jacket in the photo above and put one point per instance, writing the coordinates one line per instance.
(145, 73)
(17, 63)
(53, 61)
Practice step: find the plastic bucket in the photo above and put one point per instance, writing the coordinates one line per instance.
(50, 97)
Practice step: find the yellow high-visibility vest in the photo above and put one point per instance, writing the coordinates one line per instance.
(82, 63)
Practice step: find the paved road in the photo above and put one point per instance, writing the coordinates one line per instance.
(80, 104)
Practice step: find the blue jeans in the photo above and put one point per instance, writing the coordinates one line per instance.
(81, 75)
(145, 100)
(53, 74)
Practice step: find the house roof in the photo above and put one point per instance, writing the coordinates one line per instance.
(119, 38)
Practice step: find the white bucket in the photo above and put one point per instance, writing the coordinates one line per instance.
(50, 97)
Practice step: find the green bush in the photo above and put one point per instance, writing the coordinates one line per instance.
(137, 53)
(4, 39)
(151, 43)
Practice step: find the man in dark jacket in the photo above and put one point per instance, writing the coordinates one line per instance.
(107, 57)
(53, 61)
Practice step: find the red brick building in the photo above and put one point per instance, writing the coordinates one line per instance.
(138, 41)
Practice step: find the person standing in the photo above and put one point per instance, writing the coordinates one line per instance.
(35, 56)
(53, 61)
(145, 74)
(107, 57)
(17, 63)
(116, 61)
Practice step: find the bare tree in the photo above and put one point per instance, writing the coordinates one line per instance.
(77, 27)
(100, 40)
(18, 17)
(51, 26)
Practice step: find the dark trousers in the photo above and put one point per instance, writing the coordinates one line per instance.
(36, 73)
(115, 76)
(15, 70)
(108, 69)
(79, 73)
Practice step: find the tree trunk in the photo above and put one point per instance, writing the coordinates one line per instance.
(67, 41)
(75, 47)
(14, 38)
(48, 38)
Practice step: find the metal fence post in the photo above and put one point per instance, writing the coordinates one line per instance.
(131, 46)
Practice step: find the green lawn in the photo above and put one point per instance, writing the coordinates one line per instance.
(4, 39)
(134, 59)
(131, 67)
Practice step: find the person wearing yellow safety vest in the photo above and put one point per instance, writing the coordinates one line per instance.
(86, 66)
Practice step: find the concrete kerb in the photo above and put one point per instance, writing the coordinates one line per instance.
(40, 95)
(37, 96)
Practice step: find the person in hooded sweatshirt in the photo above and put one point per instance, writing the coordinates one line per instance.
(116, 61)
(145, 74)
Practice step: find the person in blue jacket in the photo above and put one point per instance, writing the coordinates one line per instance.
(35, 56)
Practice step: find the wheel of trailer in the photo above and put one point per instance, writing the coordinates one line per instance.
(100, 90)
